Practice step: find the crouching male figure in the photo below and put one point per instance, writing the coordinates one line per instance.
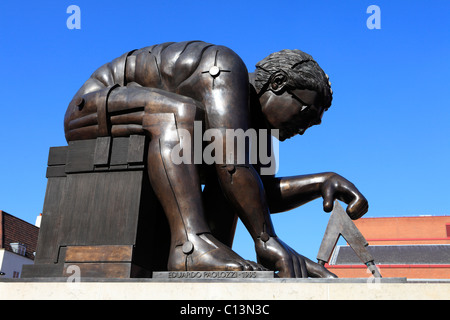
(158, 90)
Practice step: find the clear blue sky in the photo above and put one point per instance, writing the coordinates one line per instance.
(387, 131)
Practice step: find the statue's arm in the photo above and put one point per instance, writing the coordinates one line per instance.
(287, 193)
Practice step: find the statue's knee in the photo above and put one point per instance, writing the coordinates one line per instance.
(187, 112)
(185, 109)
(162, 126)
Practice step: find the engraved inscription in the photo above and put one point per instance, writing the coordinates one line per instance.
(211, 274)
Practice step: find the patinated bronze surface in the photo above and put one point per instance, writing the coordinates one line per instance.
(160, 91)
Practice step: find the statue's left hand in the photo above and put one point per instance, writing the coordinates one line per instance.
(337, 187)
(275, 255)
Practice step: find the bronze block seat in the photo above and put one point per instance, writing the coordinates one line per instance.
(100, 213)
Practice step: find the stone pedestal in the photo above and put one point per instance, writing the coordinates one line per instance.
(100, 215)
(238, 290)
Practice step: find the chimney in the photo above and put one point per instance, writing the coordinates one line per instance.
(38, 220)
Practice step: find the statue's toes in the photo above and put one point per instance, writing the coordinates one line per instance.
(253, 266)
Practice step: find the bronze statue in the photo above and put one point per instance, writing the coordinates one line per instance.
(153, 90)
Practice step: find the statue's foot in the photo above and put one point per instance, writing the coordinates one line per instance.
(205, 252)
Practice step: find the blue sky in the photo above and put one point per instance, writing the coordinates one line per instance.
(387, 131)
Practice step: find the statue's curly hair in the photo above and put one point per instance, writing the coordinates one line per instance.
(302, 70)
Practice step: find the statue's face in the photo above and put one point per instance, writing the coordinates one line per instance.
(292, 111)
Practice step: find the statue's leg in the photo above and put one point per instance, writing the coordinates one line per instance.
(220, 215)
(168, 118)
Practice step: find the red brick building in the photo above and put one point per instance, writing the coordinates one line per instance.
(411, 247)
(18, 240)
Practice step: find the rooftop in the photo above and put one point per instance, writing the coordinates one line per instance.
(15, 230)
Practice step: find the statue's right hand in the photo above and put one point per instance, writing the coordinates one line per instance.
(337, 187)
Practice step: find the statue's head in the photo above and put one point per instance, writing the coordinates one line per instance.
(294, 91)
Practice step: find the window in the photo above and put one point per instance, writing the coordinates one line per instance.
(18, 248)
(447, 226)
